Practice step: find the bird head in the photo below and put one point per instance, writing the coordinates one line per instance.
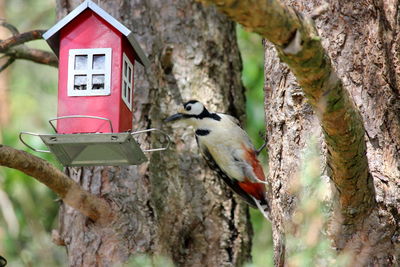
(189, 113)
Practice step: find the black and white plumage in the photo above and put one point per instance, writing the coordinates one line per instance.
(228, 150)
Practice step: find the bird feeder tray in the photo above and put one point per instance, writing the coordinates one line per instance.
(95, 149)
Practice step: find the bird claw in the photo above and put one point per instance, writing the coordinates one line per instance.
(264, 137)
(258, 151)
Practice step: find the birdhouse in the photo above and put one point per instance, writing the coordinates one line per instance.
(97, 55)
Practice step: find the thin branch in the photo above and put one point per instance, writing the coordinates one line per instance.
(21, 38)
(72, 194)
(9, 61)
(14, 47)
(8, 26)
(299, 46)
(35, 55)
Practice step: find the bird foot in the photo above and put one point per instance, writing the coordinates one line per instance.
(265, 138)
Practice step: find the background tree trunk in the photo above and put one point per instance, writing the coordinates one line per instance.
(362, 40)
(172, 205)
(4, 77)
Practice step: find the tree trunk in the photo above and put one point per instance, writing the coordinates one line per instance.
(172, 205)
(363, 43)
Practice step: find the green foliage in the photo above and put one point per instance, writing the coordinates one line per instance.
(28, 209)
(149, 261)
(252, 53)
(307, 243)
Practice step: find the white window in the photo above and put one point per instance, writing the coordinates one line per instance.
(127, 81)
(89, 72)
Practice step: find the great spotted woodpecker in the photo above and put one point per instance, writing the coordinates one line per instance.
(228, 150)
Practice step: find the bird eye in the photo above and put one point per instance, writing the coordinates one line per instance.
(188, 108)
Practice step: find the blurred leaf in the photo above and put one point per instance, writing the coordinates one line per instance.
(149, 261)
(306, 241)
(252, 53)
(32, 90)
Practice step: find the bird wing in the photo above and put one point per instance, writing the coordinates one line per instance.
(252, 168)
(231, 118)
(252, 193)
(232, 183)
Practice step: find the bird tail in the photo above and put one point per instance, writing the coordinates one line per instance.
(264, 208)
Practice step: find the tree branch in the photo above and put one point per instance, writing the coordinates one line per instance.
(8, 26)
(35, 55)
(72, 194)
(299, 46)
(9, 61)
(18, 39)
(14, 48)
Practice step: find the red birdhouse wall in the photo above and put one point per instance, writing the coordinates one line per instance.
(95, 76)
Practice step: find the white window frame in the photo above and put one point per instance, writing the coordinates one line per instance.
(125, 79)
(89, 71)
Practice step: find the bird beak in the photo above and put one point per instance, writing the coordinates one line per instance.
(178, 116)
(174, 117)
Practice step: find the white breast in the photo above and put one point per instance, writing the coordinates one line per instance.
(225, 143)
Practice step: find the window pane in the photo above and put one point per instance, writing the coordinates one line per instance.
(81, 62)
(125, 88)
(99, 62)
(129, 95)
(125, 67)
(98, 82)
(129, 74)
(80, 82)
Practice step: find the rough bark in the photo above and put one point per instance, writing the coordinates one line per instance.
(362, 41)
(173, 204)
